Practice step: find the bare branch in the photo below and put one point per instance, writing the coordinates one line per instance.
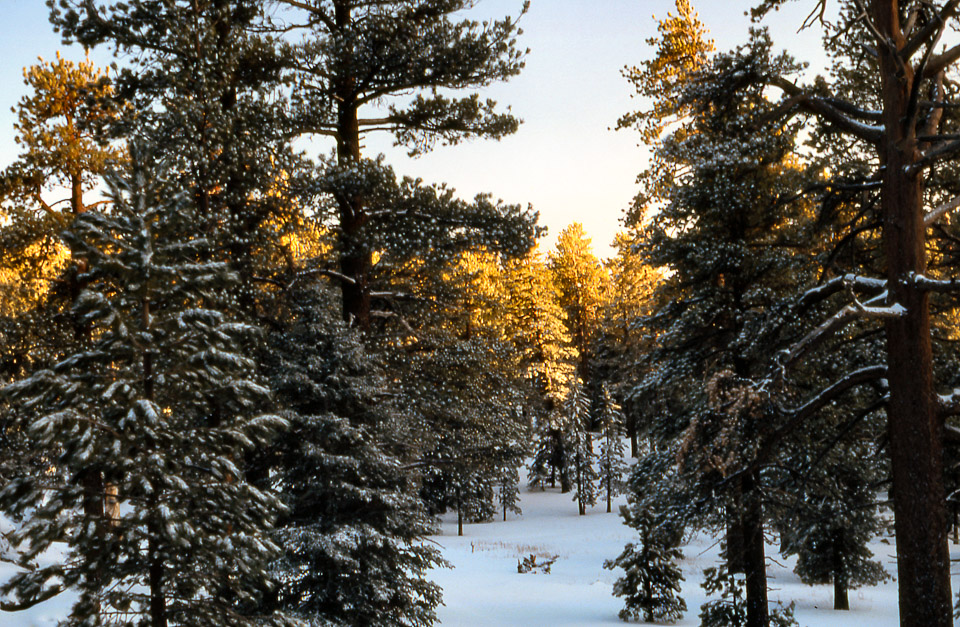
(940, 62)
(915, 42)
(932, 216)
(317, 12)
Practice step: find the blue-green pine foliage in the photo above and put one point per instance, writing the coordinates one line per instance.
(146, 426)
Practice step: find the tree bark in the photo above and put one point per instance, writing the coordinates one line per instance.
(754, 558)
(915, 432)
(355, 258)
(158, 604)
(840, 584)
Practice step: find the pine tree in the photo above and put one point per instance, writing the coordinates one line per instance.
(352, 530)
(651, 581)
(730, 610)
(148, 423)
(356, 55)
(625, 337)
(534, 322)
(611, 467)
(576, 409)
(836, 518)
(730, 251)
(580, 279)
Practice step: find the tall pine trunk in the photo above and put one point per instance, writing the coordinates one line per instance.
(355, 261)
(754, 559)
(914, 428)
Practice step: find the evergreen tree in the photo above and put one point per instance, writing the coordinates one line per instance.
(730, 251)
(905, 80)
(352, 530)
(611, 467)
(355, 55)
(833, 523)
(147, 423)
(624, 335)
(651, 582)
(576, 409)
(534, 322)
(730, 610)
(580, 280)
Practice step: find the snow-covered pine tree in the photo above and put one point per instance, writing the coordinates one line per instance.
(508, 490)
(729, 609)
(650, 585)
(576, 409)
(731, 252)
(352, 530)
(611, 467)
(834, 519)
(148, 423)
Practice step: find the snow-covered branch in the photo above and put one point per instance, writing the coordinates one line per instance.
(26, 604)
(854, 311)
(927, 284)
(932, 156)
(829, 111)
(949, 404)
(836, 284)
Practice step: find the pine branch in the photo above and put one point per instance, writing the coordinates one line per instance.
(46, 595)
(831, 113)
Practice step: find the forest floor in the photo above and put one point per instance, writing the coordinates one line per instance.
(484, 588)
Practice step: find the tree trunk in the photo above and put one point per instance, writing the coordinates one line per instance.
(76, 194)
(459, 512)
(735, 544)
(158, 604)
(754, 558)
(91, 482)
(355, 259)
(914, 428)
(956, 524)
(840, 599)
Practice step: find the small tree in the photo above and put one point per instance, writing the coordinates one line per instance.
(730, 610)
(612, 465)
(650, 585)
(577, 410)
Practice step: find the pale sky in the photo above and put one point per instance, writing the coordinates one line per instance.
(564, 160)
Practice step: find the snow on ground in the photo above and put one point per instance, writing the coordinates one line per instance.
(484, 588)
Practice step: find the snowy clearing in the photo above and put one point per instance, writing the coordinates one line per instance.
(484, 588)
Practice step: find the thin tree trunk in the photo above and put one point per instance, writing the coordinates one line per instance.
(459, 512)
(158, 602)
(840, 599)
(956, 524)
(914, 428)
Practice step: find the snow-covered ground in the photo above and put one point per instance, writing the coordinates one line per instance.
(484, 588)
